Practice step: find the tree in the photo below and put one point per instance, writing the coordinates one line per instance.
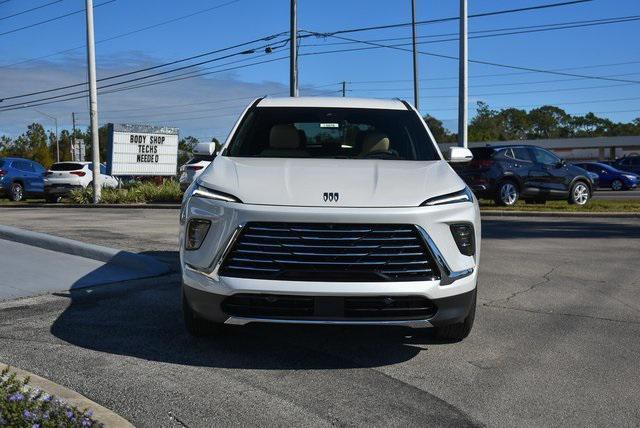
(440, 133)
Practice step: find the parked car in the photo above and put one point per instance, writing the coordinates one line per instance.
(20, 178)
(628, 164)
(63, 177)
(595, 179)
(203, 155)
(330, 211)
(509, 173)
(611, 177)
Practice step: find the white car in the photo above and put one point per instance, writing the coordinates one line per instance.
(331, 211)
(63, 177)
(203, 155)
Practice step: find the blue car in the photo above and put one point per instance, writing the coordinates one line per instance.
(20, 178)
(610, 177)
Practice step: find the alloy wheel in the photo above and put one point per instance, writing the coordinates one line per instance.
(580, 194)
(616, 185)
(16, 192)
(508, 194)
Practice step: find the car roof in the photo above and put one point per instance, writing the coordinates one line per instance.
(506, 146)
(333, 102)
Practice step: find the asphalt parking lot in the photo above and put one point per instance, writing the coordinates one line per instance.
(556, 339)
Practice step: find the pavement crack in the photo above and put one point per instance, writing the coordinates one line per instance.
(535, 311)
(176, 419)
(545, 279)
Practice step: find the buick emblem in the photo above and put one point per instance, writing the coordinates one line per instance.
(331, 196)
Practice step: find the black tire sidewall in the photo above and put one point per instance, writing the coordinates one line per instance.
(571, 195)
(12, 193)
(498, 198)
(617, 181)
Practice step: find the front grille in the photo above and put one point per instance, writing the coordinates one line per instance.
(330, 252)
(329, 307)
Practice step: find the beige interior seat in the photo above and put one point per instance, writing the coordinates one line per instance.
(284, 140)
(375, 141)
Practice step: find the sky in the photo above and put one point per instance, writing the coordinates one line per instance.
(206, 106)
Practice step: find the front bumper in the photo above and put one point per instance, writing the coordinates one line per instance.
(205, 290)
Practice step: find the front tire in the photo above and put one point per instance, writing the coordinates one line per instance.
(508, 193)
(616, 185)
(580, 194)
(16, 192)
(458, 331)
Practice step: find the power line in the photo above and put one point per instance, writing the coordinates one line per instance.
(30, 10)
(455, 18)
(128, 33)
(15, 30)
(502, 31)
(494, 64)
(271, 37)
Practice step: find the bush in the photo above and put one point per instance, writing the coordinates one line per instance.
(136, 193)
(23, 406)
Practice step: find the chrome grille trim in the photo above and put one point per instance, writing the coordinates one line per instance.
(330, 252)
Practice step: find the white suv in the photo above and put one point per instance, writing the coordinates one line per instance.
(63, 177)
(330, 211)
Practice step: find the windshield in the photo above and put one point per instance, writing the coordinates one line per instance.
(343, 133)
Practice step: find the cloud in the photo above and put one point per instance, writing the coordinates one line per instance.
(202, 106)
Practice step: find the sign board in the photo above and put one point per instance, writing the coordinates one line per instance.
(142, 150)
(78, 150)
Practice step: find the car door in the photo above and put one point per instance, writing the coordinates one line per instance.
(38, 180)
(549, 172)
(522, 163)
(27, 175)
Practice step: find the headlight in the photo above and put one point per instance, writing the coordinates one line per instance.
(464, 195)
(631, 177)
(200, 191)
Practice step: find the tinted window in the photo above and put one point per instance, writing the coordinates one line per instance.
(635, 161)
(67, 166)
(519, 153)
(545, 157)
(37, 167)
(23, 166)
(344, 133)
(2, 162)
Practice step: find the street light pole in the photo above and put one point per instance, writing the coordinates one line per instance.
(93, 103)
(416, 80)
(293, 55)
(55, 119)
(463, 93)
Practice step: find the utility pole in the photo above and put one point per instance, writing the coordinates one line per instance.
(416, 80)
(293, 55)
(463, 92)
(73, 137)
(344, 88)
(55, 119)
(93, 103)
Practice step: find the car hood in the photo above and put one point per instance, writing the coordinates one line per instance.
(357, 182)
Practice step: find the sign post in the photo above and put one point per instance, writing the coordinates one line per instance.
(142, 150)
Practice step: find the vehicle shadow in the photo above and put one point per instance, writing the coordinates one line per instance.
(506, 228)
(143, 319)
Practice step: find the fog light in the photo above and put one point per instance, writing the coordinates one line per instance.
(196, 231)
(464, 236)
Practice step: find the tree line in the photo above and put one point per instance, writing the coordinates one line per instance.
(487, 125)
(542, 122)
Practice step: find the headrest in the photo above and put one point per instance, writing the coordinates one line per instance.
(284, 137)
(375, 142)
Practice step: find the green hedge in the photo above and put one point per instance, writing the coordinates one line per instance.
(137, 193)
(23, 406)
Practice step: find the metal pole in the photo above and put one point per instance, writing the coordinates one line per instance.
(57, 143)
(293, 55)
(93, 103)
(73, 137)
(463, 94)
(344, 88)
(416, 81)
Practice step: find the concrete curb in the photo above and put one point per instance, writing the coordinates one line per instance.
(121, 206)
(504, 213)
(146, 264)
(100, 413)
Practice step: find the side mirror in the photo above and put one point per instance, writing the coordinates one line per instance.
(458, 155)
(206, 149)
(561, 163)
